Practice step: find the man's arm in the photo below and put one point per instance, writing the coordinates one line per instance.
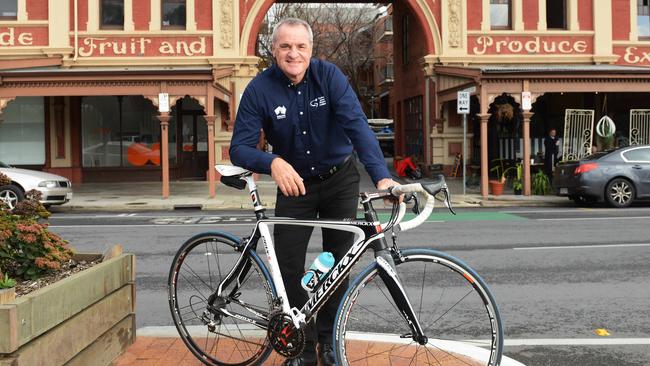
(350, 116)
(244, 152)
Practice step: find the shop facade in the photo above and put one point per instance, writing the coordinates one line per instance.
(80, 79)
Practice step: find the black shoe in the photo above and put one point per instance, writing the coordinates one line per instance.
(326, 355)
(300, 361)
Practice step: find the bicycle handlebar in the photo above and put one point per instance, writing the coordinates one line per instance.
(429, 191)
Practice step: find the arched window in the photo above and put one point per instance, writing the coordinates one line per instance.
(501, 14)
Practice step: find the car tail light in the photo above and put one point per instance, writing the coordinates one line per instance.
(583, 168)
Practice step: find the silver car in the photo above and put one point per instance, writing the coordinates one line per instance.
(56, 189)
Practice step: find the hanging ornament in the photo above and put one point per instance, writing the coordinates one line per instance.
(605, 127)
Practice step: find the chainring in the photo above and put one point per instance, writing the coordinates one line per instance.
(283, 335)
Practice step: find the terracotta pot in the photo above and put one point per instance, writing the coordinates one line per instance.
(496, 187)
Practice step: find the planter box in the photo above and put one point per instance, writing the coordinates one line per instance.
(87, 318)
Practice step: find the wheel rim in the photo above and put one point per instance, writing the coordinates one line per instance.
(196, 274)
(9, 198)
(620, 192)
(454, 317)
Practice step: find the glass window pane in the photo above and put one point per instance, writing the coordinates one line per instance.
(500, 15)
(140, 132)
(173, 13)
(112, 13)
(22, 132)
(643, 26)
(638, 155)
(100, 121)
(9, 9)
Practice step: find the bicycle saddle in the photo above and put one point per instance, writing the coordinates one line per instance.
(436, 185)
(232, 171)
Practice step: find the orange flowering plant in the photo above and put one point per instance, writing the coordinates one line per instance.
(28, 249)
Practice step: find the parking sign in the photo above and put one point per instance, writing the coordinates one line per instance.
(463, 103)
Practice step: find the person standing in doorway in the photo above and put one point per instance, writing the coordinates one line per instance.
(551, 148)
(312, 118)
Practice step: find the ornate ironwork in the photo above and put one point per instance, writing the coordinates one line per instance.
(639, 126)
(578, 134)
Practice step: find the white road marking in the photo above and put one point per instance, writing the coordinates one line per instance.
(622, 245)
(596, 218)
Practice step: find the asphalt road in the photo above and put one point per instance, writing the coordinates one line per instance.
(559, 275)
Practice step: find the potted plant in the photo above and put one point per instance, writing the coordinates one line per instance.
(94, 302)
(518, 182)
(496, 186)
(541, 184)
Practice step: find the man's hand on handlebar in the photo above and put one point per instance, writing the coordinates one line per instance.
(386, 184)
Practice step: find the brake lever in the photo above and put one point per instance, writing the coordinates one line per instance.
(448, 201)
(416, 205)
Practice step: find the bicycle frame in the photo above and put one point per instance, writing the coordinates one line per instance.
(367, 233)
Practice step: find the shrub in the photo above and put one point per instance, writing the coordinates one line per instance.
(28, 249)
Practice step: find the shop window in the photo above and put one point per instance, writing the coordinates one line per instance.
(405, 39)
(119, 132)
(500, 14)
(112, 14)
(643, 18)
(22, 132)
(556, 14)
(8, 9)
(173, 14)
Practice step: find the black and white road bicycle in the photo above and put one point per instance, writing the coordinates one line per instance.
(406, 307)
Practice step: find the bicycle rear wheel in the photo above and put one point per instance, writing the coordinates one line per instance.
(453, 304)
(216, 339)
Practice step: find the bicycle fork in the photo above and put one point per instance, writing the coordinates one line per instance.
(386, 269)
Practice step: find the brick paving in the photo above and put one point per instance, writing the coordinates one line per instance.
(154, 351)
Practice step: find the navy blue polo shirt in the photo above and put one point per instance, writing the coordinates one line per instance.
(313, 125)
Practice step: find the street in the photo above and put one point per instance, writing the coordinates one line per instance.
(559, 275)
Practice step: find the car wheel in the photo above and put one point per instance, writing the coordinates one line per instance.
(11, 195)
(619, 193)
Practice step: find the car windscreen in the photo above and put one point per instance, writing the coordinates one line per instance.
(3, 165)
(596, 156)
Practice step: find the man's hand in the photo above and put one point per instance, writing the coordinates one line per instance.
(386, 183)
(289, 182)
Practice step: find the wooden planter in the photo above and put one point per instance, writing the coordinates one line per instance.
(7, 295)
(85, 319)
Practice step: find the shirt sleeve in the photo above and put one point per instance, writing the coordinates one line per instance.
(246, 134)
(348, 113)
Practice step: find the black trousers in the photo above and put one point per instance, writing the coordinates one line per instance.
(334, 198)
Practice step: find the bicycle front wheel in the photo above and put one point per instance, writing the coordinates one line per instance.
(452, 303)
(215, 338)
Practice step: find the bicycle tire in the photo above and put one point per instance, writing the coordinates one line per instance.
(196, 272)
(455, 309)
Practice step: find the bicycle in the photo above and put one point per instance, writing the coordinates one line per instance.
(408, 306)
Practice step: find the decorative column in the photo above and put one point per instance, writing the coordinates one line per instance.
(164, 118)
(484, 153)
(211, 170)
(526, 155)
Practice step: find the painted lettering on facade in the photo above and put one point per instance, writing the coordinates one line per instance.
(20, 37)
(144, 46)
(529, 45)
(633, 55)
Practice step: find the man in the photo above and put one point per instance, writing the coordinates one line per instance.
(551, 144)
(313, 120)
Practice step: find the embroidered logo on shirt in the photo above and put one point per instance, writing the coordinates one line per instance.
(280, 112)
(318, 102)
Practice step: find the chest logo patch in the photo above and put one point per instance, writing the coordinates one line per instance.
(280, 112)
(318, 102)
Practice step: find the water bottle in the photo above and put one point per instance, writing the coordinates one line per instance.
(318, 270)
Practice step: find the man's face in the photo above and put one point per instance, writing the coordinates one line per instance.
(552, 133)
(292, 51)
